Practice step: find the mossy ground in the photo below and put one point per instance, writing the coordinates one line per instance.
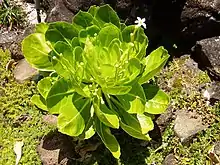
(20, 120)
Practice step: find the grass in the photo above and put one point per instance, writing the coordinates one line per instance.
(11, 15)
(19, 119)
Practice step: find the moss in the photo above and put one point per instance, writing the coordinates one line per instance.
(184, 84)
(19, 119)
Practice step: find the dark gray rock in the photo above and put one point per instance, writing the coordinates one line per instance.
(170, 160)
(164, 119)
(211, 49)
(57, 11)
(187, 125)
(23, 71)
(12, 40)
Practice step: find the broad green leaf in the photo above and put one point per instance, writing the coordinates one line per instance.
(89, 130)
(70, 120)
(134, 101)
(83, 19)
(130, 34)
(57, 93)
(154, 63)
(61, 31)
(41, 28)
(130, 124)
(39, 101)
(44, 86)
(63, 63)
(107, 138)
(117, 90)
(36, 51)
(75, 42)
(145, 122)
(107, 34)
(88, 32)
(134, 69)
(105, 14)
(92, 10)
(157, 100)
(114, 52)
(105, 115)
(132, 131)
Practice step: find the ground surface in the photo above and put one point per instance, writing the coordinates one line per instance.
(20, 120)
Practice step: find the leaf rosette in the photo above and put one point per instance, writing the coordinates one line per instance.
(98, 76)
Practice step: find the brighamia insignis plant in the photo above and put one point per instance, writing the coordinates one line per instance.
(98, 76)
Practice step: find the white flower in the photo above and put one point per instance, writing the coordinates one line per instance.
(140, 22)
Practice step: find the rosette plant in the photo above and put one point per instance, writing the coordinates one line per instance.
(98, 76)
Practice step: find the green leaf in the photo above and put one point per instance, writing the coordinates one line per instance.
(92, 10)
(105, 14)
(145, 122)
(83, 19)
(130, 124)
(57, 93)
(154, 63)
(157, 100)
(70, 120)
(44, 86)
(61, 31)
(36, 51)
(139, 39)
(107, 138)
(39, 101)
(114, 51)
(105, 115)
(64, 62)
(88, 32)
(107, 34)
(117, 90)
(89, 133)
(41, 28)
(134, 69)
(134, 101)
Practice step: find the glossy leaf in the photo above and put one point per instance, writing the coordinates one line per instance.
(61, 31)
(107, 34)
(58, 92)
(83, 19)
(134, 101)
(130, 124)
(107, 138)
(157, 100)
(70, 120)
(117, 90)
(44, 86)
(39, 101)
(105, 115)
(36, 51)
(105, 14)
(41, 28)
(154, 63)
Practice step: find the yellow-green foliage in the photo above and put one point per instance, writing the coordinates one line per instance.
(19, 119)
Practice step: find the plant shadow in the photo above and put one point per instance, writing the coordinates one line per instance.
(93, 151)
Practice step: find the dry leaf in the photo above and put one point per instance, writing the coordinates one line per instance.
(18, 150)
